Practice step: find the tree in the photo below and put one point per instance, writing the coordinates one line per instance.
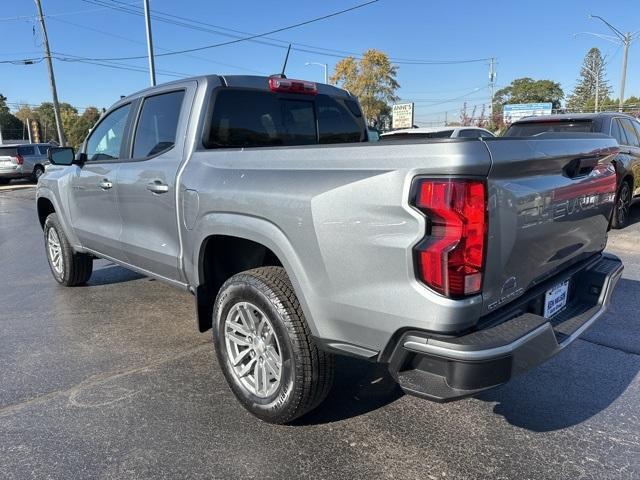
(79, 130)
(372, 79)
(592, 72)
(10, 125)
(528, 90)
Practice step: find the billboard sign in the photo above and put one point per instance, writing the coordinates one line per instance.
(516, 111)
(402, 116)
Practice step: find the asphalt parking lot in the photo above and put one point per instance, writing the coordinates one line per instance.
(112, 380)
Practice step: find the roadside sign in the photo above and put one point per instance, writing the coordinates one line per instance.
(516, 111)
(402, 116)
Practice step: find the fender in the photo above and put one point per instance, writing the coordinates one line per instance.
(257, 230)
(45, 192)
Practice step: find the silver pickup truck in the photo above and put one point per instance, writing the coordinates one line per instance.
(460, 263)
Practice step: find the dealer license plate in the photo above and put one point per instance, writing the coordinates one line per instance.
(555, 299)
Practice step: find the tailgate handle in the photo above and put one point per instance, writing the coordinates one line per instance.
(580, 167)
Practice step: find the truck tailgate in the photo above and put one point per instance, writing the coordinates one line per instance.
(550, 201)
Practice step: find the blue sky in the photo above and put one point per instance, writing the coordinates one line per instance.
(533, 39)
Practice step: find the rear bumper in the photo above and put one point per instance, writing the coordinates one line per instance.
(507, 344)
(12, 172)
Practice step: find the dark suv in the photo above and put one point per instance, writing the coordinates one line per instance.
(624, 128)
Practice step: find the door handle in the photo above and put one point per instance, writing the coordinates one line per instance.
(157, 187)
(105, 184)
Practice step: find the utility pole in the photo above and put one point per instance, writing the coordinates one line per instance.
(147, 21)
(52, 78)
(621, 38)
(492, 84)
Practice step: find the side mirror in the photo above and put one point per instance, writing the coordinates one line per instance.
(60, 155)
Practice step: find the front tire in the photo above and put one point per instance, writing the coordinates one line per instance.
(623, 204)
(69, 268)
(265, 349)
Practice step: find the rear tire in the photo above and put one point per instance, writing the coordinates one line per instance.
(259, 328)
(37, 173)
(623, 204)
(69, 268)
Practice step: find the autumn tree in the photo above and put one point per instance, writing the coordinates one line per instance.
(372, 79)
(592, 73)
(80, 128)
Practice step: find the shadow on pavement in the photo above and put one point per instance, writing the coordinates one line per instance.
(582, 381)
(359, 387)
(112, 274)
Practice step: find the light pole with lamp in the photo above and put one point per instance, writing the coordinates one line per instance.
(326, 73)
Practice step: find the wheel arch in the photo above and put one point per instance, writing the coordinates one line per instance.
(231, 243)
(45, 208)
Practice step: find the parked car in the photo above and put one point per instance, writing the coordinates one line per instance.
(22, 161)
(457, 263)
(624, 128)
(438, 132)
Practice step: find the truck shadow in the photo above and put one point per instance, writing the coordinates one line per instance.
(111, 274)
(359, 387)
(583, 380)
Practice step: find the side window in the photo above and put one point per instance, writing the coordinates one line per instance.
(336, 124)
(617, 133)
(106, 139)
(26, 150)
(43, 149)
(469, 133)
(632, 137)
(484, 134)
(156, 130)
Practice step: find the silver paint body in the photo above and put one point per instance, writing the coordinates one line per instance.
(338, 217)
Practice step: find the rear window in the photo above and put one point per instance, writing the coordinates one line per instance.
(8, 152)
(405, 135)
(245, 119)
(535, 128)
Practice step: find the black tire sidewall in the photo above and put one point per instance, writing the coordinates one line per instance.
(616, 223)
(67, 254)
(254, 291)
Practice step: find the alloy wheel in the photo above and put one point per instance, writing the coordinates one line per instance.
(55, 251)
(253, 350)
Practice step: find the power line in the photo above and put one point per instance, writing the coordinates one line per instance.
(52, 15)
(127, 39)
(135, 10)
(238, 40)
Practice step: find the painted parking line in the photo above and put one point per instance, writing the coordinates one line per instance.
(5, 188)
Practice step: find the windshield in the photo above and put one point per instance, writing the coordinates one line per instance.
(527, 129)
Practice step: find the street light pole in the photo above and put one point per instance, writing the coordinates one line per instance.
(625, 39)
(325, 66)
(623, 74)
(147, 21)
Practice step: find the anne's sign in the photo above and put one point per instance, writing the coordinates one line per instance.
(402, 116)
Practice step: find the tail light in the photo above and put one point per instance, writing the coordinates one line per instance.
(287, 85)
(450, 259)
(19, 159)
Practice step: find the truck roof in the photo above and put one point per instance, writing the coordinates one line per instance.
(241, 81)
(563, 117)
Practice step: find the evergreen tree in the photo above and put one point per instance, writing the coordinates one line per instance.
(584, 94)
